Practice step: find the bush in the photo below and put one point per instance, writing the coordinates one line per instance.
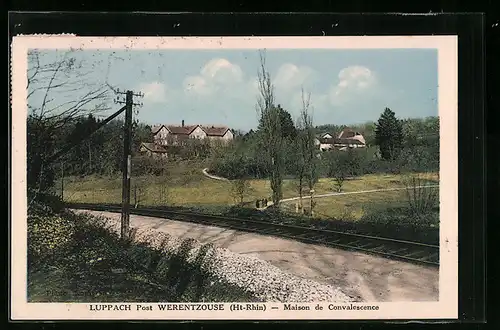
(44, 203)
(421, 198)
(402, 216)
(239, 189)
(146, 165)
(236, 166)
(82, 259)
(47, 234)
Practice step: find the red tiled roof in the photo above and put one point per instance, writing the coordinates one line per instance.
(341, 141)
(347, 133)
(153, 147)
(188, 129)
(181, 130)
(215, 130)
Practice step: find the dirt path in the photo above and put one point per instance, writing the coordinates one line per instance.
(210, 176)
(350, 193)
(369, 277)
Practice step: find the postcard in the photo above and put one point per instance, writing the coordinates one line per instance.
(234, 178)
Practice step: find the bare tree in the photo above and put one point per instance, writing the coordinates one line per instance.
(60, 89)
(240, 188)
(272, 137)
(339, 178)
(338, 170)
(138, 193)
(164, 188)
(421, 197)
(306, 161)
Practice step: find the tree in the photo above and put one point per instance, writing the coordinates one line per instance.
(352, 162)
(389, 135)
(288, 129)
(338, 169)
(306, 160)
(60, 89)
(240, 187)
(141, 133)
(272, 139)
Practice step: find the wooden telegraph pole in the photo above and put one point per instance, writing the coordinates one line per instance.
(127, 163)
(127, 136)
(62, 181)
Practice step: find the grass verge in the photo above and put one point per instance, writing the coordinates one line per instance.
(75, 258)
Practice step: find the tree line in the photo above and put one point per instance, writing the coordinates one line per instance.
(409, 145)
(101, 153)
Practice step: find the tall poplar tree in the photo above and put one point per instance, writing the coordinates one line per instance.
(389, 135)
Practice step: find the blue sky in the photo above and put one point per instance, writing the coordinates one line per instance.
(219, 86)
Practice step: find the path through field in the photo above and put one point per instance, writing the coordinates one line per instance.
(205, 172)
(356, 192)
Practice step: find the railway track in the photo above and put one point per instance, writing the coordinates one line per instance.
(413, 252)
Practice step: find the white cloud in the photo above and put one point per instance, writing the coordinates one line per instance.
(222, 71)
(217, 74)
(154, 92)
(290, 76)
(223, 88)
(352, 81)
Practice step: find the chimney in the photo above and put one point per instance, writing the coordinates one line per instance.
(183, 123)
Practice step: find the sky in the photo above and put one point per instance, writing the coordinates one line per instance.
(219, 87)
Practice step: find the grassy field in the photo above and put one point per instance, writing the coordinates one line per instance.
(185, 185)
(354, 207)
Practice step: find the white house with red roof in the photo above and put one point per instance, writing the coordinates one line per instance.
(175, 135)
(347, 138)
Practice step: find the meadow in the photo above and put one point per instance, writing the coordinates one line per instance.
(185, 185)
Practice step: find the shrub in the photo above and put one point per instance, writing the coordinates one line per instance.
(401, 223)
(421, 197)
(239, 189)
(44, 203)
(146, 165)
(46, 234)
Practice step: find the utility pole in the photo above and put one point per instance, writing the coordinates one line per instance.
(62, 181)
(127, 136)
(127, 162)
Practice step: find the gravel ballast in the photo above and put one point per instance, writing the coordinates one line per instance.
(259, 278)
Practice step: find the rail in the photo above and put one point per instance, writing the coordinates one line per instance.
(414, 252)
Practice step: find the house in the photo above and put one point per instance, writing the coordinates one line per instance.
(348, 136)
(346, 139)
(321, 141)
(176, 135)
(151, 149)
(325, 136)
(159, 151)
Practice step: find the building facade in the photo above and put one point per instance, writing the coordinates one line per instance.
(346, 139)
(167, 135)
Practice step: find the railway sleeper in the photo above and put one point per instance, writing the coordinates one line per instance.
(431, 258)
(367, 246)
(416, 254)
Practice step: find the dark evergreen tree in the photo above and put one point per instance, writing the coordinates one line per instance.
(287, 126)
(389, 135)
